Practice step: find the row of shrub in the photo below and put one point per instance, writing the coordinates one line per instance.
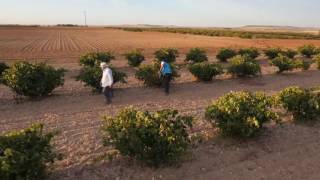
(39, 79)
(229, 33)
(161, 137)
(197, 55)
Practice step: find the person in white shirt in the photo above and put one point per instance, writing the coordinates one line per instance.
(106, 81)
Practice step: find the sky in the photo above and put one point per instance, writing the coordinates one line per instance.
(215, 13)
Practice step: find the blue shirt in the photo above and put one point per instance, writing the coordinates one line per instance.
(166, 69)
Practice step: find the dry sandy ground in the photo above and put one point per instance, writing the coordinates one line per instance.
(282, 152)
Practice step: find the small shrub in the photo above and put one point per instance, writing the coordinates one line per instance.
(241, 114)
(225, 53)
(302, 103)
(95, 58)
(150, 74)
(316, 59)
(26, 154)
(91, 76)
(244, 66)
(168, 54)
(3, 67)
(135, 58)
(300, 63)
(197, 55)
(155, 138)
(33, 80)
(205, 71)
(283, 63)
(290, 53)
(251, 52)
(307, 50)
(118, 76)
(272, 53)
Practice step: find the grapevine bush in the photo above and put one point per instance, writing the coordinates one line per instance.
(205, 71)
(307, 50)
(302, 103)
(26, 154)
(251, 52)
(135, 58)
(244, 66)
(303, 64)
(275, 52)
(316, 59)
(197, 55)
(167, 54)
(272, 53)
(150, 74)
(3, 67)
(154, 138)
(33, 80)
(290, 53)
(226, 53)
(91, 76)
(283, 63)
(95, 58)
(241, 114)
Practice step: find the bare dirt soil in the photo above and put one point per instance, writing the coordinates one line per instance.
(285, 152)
(67, 44)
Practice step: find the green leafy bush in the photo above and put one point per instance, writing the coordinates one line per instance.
(26, 154)
(283, 63)
(205, 71)
(3, 67)
(302, 103)
(118, 76)
(226, 53)
(275, 52)
(290, 53)
(197, 55)
(33, 80)
(150, 74)
(272, 53)
(244, 66)
(300, 63)
(155, 138)
(135, 58)
(316, 59)
(241, 114)
(251, 52)
(91, 76)
(168, 54)
(307, 50)
(95, 58)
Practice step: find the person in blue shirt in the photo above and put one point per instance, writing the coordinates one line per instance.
(166, 72)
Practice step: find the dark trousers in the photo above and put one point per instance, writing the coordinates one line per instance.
(166, 82)
(107, 91)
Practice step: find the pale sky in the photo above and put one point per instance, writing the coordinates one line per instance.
(225, 13)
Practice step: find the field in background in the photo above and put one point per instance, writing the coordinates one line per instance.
(246, 32)
(65, 45)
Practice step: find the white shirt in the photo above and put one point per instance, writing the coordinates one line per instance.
(107, 78)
